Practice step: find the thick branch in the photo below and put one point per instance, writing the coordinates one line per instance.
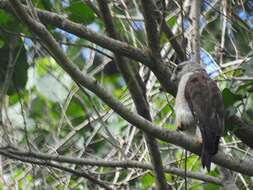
(161, 71)
(150, 18)
(241, 129)
(195, 15)
(90, 83)
(172, 39)
(228, 180)
(138, 93)
(82, 31)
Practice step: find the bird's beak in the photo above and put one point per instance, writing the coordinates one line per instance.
(173, 78)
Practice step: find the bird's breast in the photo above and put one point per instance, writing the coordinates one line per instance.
(182, 109)
(184, 115)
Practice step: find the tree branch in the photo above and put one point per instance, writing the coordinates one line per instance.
(82, 31)
(171, 37)
(6, 84)
(228, 179)
(138, 93)
(161, 71)
(143, 124)
(103, 163)
(91, 84)
(195, 15)
(57, 166)
(150, 19)
(240, 129)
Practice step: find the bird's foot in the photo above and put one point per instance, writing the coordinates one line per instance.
(199, 140)
(180, 126)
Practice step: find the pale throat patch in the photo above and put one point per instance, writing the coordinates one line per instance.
(183, 112)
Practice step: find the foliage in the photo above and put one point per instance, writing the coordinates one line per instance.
(46, 111)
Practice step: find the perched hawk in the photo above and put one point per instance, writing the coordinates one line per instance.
(199, 103)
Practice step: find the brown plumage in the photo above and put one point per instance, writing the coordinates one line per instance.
(199, 102)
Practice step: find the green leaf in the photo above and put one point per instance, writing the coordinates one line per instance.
(75, 108)
(147, 181)
(4, 18)
(44, 62)
(19, 75)
(48, 5)
(229, 97)
(172, 21)
(197, 186)
(193, 163)
(21, 67)
(170, 126)
(38, 107)
(210, 186)
(79, 12)
(1, 43)
(245, 87)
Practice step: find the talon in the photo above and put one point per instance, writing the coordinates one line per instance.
(180, 127)
(199, 140)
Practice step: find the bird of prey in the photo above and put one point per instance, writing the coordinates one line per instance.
(199, 103)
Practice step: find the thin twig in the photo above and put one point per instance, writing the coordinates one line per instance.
(90, 83)
(57, 166)
(103, 163)
(138, 93)
(195, 16)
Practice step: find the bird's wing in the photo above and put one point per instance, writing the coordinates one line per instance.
(218, 107)
(206, 104)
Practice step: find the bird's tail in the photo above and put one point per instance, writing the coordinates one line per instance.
(205, 159)
(207, 151)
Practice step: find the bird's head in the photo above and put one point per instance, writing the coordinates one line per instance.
(184, 68)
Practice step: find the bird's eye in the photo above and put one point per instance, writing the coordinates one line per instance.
(178, 69)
